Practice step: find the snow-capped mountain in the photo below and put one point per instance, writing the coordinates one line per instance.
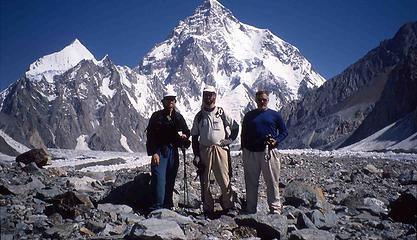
(88, 105)
(213, 47)
(59, 62)
(69, 99)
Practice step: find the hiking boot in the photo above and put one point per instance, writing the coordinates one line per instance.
(275, 211)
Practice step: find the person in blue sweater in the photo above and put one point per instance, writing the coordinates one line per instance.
(263, 129)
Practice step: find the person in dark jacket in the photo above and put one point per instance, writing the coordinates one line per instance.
(263, 130)
(166, 131)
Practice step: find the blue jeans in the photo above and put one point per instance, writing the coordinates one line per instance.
(163, 177)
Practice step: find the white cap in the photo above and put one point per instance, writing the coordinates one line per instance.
(209, 88)
(170, 93)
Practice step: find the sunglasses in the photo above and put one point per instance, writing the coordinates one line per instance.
(262, 99)
(170, 99)
(208, 94)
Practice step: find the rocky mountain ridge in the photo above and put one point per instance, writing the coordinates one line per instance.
(369, 95)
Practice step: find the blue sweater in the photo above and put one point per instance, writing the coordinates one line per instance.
(257, 124)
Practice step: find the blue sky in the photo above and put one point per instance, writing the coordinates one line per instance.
(331, 34)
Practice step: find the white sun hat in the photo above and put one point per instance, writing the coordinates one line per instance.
(170, 93)
(209, 88)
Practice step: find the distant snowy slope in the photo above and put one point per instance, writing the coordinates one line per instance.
(9, 146)
(400, 136)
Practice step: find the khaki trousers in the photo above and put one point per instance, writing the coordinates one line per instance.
(253, 164)
(215, 158)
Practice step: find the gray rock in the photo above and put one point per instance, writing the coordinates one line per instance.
(114, 208)
(81, 184)
(32, 168)
(371, 169)
(311, 234)
(63, 231)
(304, 222)
(6, 236)
(267, 226)
(94, 226)
(56, 219)
(112, 229)
(323, 220)
(298, 193)
(374, 206)
(33, 185)
(409, 177)
(131, 218)
(48, 193)
(151, 229)
(170, 215)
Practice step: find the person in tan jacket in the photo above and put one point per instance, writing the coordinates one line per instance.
(210, 139)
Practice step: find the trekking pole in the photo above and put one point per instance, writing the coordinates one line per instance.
(186, 198)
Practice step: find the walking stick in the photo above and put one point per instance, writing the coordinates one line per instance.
(186, 197)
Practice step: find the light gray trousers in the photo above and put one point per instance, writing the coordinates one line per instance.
(253, 164)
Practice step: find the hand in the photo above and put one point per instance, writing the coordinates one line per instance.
(225, 142)
(155, 160)
(272, 142)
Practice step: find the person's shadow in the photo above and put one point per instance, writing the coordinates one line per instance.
(136, 194)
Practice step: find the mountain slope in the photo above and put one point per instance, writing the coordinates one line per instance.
(398, 99)
(326, 117)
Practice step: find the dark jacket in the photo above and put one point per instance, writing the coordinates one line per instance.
(163, 130)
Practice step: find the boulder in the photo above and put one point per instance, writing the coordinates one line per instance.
(267, 226)
(323, 220)
(39, 156)
(371, 169)
(32, 185)
(151, 229)
(69, 205)
(311, 234)
(114, 208)
(81, 184)
(374, 206)
(298, 193)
